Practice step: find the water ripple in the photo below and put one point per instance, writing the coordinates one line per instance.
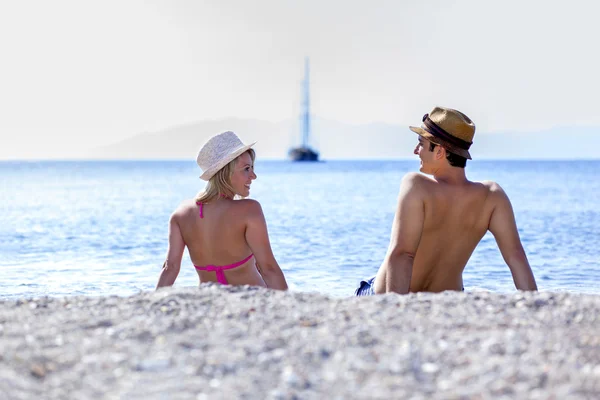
(99, 228)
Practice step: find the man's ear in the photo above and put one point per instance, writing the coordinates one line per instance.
(440, 153)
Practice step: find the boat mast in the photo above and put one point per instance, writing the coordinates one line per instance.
(306, 110)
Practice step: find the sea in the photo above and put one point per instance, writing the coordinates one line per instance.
(99, 228)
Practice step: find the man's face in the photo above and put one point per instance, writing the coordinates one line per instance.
(425, 155)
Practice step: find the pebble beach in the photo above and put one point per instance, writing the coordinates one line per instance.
(224, 342)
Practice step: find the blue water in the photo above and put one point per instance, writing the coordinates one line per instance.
(98, 228)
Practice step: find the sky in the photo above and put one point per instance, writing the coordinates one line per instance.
(77, 74)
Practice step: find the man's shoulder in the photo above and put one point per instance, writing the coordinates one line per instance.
(492, 186)
(496, 194)
(415, 186)
(415, 182)
(416, 179)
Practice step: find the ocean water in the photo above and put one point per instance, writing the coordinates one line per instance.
(100, 227)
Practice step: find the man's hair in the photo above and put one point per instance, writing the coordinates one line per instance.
(220, 183)
(453, 159)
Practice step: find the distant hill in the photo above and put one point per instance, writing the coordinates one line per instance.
(184, 141)
(555, 143)
(336, 140)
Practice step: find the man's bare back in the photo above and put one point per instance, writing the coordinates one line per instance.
(440, 219)
(456, 217)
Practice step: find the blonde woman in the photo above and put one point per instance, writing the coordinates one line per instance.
(226, 236)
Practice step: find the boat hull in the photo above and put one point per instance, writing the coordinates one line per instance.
(303, 154)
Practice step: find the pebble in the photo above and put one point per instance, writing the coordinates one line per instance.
(240, 342)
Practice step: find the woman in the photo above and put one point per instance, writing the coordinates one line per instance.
(227, 239)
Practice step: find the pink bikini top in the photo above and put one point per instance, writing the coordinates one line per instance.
(220, 268)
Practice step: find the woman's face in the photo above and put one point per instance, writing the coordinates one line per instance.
(243, 175)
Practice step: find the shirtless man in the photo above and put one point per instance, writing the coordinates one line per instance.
(440, 219)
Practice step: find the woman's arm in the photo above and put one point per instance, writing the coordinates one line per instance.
(258, 240)
(172, 264)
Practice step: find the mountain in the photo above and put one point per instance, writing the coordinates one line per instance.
(556, 143)
(336, 140)
(184, 141)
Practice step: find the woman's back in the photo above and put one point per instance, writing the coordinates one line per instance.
(215, 235)
(227, 239)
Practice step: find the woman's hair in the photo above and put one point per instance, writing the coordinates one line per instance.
(220, 183)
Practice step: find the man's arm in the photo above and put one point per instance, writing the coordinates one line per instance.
(406, 235)
(172, 264)
(504, 228)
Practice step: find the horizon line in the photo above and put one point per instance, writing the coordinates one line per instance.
(270, 159)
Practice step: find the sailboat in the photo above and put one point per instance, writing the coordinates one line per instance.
(304, 152)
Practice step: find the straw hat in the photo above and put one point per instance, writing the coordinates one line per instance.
(218, 151)
(449, 128)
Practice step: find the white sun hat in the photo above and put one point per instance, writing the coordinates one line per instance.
(218, 151)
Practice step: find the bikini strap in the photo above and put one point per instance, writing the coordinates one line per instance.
(237, 264)
(199, 203)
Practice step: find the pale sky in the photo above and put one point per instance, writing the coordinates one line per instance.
(80, 73)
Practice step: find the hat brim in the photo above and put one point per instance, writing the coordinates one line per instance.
(434, 139)
(209, 173)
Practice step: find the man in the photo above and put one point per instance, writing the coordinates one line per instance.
(440, 219)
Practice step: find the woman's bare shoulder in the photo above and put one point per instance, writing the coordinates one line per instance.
(184, 208)
(247, 209)
(249, 206)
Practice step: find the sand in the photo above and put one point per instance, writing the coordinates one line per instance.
(223, 342)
